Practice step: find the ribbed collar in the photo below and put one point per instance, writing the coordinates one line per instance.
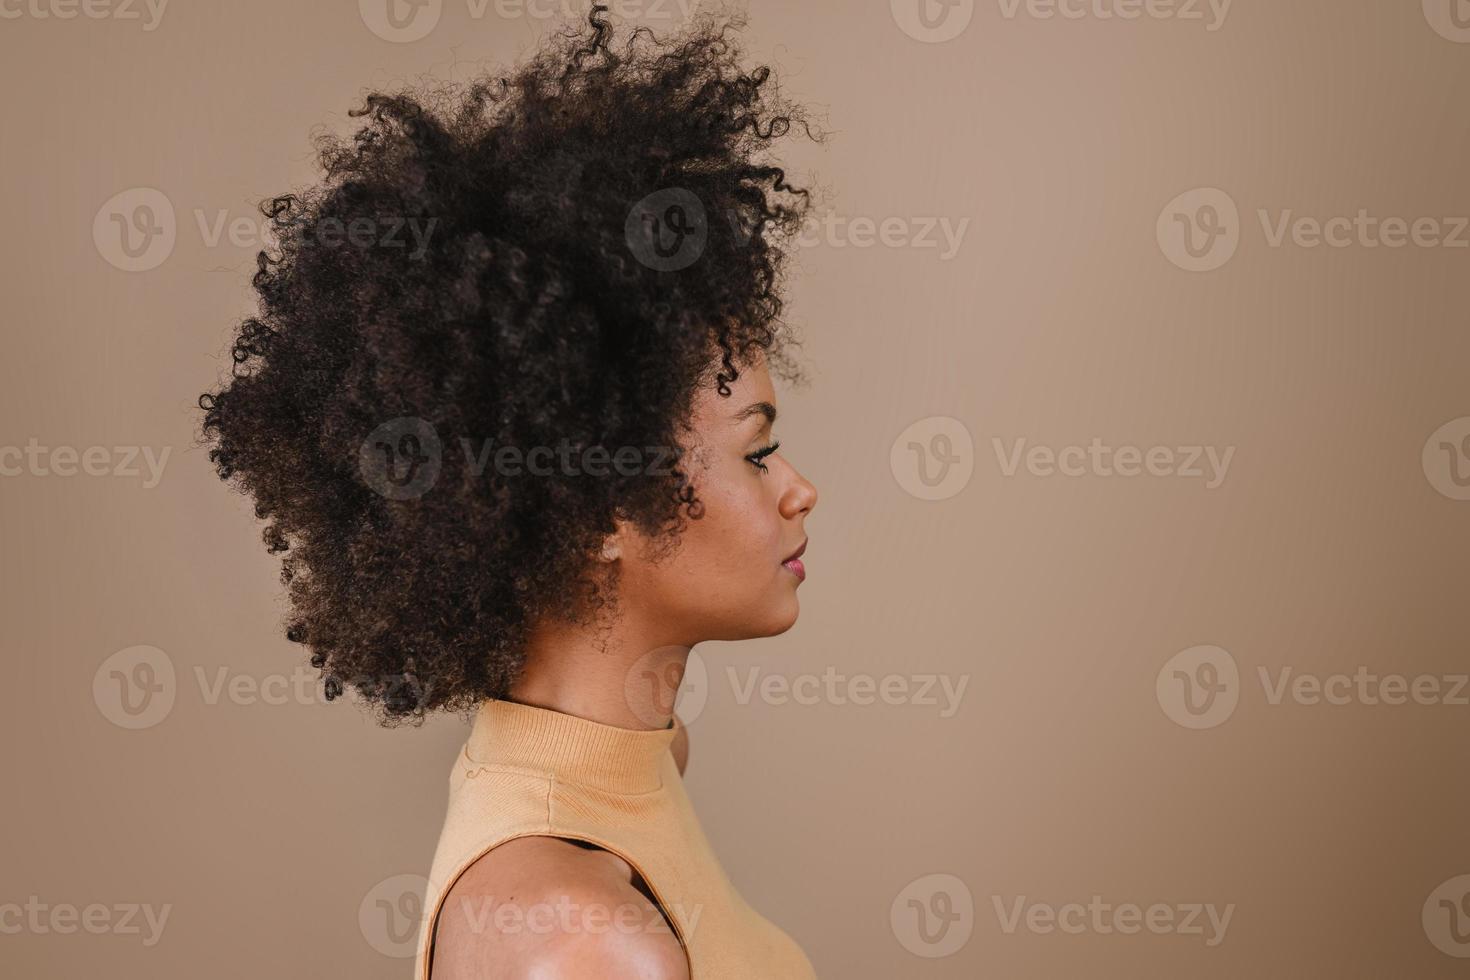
(579, 750)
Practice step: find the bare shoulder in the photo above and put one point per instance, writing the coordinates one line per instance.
(542, 906)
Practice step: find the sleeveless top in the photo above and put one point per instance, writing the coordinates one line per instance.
(526, 770)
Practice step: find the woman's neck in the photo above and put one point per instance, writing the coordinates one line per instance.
(618, 675)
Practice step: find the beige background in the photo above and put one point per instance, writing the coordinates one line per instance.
(1057, 600)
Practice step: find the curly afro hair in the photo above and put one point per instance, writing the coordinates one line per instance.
(486, 267)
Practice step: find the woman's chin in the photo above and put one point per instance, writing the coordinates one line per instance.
(776, 616)
(784, 616)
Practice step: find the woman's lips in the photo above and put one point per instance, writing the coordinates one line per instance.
(794, 565)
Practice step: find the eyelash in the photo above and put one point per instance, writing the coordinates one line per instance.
(760, 454)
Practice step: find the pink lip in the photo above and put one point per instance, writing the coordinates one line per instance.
(793, 562)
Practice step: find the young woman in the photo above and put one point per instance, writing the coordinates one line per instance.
(507, 410)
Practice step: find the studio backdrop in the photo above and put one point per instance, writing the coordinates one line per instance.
(1133, 643)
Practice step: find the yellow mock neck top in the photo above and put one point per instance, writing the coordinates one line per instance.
(527, 770)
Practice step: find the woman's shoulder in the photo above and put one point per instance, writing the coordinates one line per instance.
(538, 906)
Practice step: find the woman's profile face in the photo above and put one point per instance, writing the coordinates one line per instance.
(727, 577)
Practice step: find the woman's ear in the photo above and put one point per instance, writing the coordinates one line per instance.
(614, 543)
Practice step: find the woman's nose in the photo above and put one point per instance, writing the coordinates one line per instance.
(800, 497)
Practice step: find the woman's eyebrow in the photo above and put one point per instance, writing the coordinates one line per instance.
(757, 408)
